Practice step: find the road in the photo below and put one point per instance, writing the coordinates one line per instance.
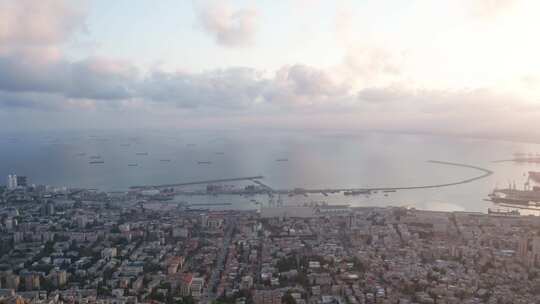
(220, 262)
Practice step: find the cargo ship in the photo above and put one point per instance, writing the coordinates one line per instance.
(204, 162)
(94, 162)
(208, 204)
(515, 196)
(499, 212)
(357, 192)
(142, 153)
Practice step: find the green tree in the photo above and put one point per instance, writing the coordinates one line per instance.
(288, 299)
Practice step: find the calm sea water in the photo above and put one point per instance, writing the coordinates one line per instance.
(315, 160)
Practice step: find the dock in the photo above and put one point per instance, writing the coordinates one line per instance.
(485, 173)
(325, 191)
(212, 181)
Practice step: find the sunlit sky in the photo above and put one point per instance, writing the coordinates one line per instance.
(460, 67)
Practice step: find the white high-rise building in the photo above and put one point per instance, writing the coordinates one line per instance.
(12, 181)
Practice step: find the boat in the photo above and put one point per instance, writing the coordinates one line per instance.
(503, 212)
(161, 197)
(95, 157)
(164, 160)
(141, 153)
(357, 192)
(389, 190)
(515, 196)
(190, 209)
(133, 165)
(282, 159)
(204, 162)
(94, 162)
(209, 204)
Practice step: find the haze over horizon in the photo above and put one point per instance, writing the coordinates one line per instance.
(451, 67)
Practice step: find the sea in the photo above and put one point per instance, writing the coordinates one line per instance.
(116, 160)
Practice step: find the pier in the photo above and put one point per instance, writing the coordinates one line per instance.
(326, 191)
(212, 181)
(485, 173)
(265, 186)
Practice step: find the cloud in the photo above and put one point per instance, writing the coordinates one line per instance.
(295, 96)
(371, 66)
(105, 79)
(233, 88)
(93, 78)
(489, 8)
(31, 100)
(301, 85)
(473, 103)
(32, 35)
(378, 94)
(44, 23)
(24, 73)
(229, 28)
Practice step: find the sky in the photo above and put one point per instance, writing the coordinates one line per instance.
(464, 67)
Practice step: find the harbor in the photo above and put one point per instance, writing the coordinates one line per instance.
(215, 186)
(409, 178)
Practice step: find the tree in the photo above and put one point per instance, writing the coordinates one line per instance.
(46, 284)
(185, 300)
(288, 299)
(151, 267)
(103, 291)
(287, 263)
